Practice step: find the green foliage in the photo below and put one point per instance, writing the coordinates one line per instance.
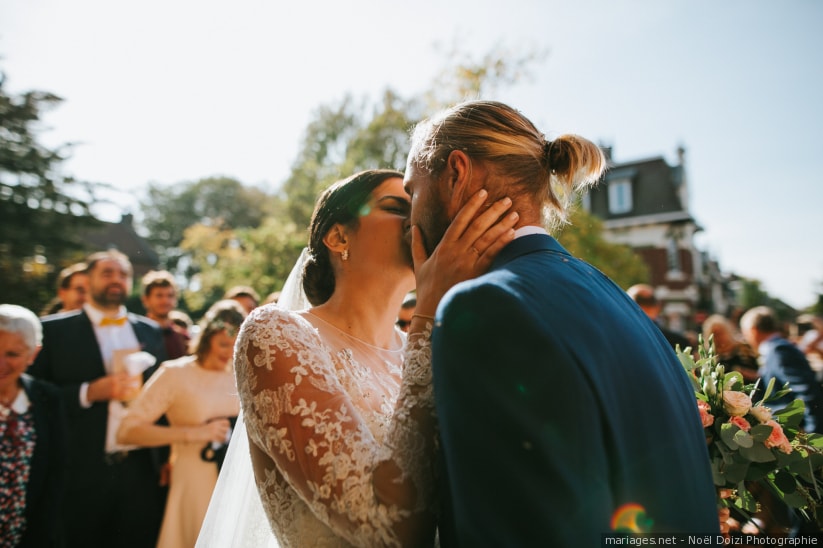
(583, 238)
(220, 257)
(751, 444)
(43, 214)
(214, 201)
(341, 139)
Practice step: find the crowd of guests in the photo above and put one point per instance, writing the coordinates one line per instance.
(113, 425)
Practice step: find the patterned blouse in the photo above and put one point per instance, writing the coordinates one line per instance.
(17, 439)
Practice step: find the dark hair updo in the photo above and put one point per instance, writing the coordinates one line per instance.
(341, 203)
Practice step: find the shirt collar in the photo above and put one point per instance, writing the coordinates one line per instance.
(764, 345)
(96, 315)
(20, 404)
(528, 230)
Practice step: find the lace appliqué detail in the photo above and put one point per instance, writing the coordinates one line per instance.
(337, 436)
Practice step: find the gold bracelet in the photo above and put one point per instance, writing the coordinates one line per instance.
(425, 317)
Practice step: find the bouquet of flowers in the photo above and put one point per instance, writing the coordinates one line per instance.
(752, 443)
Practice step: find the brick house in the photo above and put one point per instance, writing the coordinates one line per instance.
(645, 204)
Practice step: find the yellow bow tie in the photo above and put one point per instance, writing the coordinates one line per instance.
(113, 321)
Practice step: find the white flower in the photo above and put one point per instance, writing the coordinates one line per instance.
(761, 413)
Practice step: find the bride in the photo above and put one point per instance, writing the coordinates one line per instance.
(338, 405)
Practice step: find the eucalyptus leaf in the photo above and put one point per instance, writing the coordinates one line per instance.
(727, 434)
(745, 500)
(743, 439)
(761, 432)
(718, 476)
(757, 453)
(795, 500)
(785, 482)
(735, 473)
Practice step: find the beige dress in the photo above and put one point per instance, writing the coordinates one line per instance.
(188, 395)
(322, 409)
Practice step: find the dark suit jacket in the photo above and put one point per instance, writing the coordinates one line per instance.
(45, 489)
(784, 362)
(560, 402)
(70, 357)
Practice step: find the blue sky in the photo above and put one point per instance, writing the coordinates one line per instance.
(171, 91)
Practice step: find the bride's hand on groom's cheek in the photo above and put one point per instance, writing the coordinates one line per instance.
(467, 249)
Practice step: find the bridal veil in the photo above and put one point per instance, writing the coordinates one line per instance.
(235, 518)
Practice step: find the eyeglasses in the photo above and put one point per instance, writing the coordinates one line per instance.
(402, 324)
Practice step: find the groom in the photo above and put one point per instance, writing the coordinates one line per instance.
(564, 414)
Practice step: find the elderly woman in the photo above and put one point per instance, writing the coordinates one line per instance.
(32, 437)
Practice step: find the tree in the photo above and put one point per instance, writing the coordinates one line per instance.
(214, 201)
(348, 136)
(583, 238)
(42, 213)
(222, 257)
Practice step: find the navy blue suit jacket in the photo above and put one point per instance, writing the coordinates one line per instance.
(46, 486)
(560, 402)
(784, 362)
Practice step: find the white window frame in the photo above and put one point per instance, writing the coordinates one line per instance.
(620, 196)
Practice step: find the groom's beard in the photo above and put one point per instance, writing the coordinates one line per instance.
(433, 224)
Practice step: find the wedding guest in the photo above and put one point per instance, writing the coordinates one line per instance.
(404, 315)
(183, 322)
(810, 341)
(160, 299)
(272, 298)
(783, 362)
(72, 286)
(32, 438)
(113, 494)
(643, 295)
(245, 295)
(198, 396)
(594, 418)
(733, 352)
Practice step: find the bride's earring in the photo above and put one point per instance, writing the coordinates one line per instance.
(345, 255)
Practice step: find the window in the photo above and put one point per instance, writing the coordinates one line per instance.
(673, 255)
(620, 196)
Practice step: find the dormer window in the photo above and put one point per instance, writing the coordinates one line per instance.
(620, 196)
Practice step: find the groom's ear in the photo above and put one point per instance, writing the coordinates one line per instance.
(458, 175)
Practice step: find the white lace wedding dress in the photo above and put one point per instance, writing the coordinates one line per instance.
(324, 411)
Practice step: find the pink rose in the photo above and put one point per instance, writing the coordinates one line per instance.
(736, 404)
(705, 417)
(777, 438)
(741, 423)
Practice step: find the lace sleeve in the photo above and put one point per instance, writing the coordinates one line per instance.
(301, 418)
